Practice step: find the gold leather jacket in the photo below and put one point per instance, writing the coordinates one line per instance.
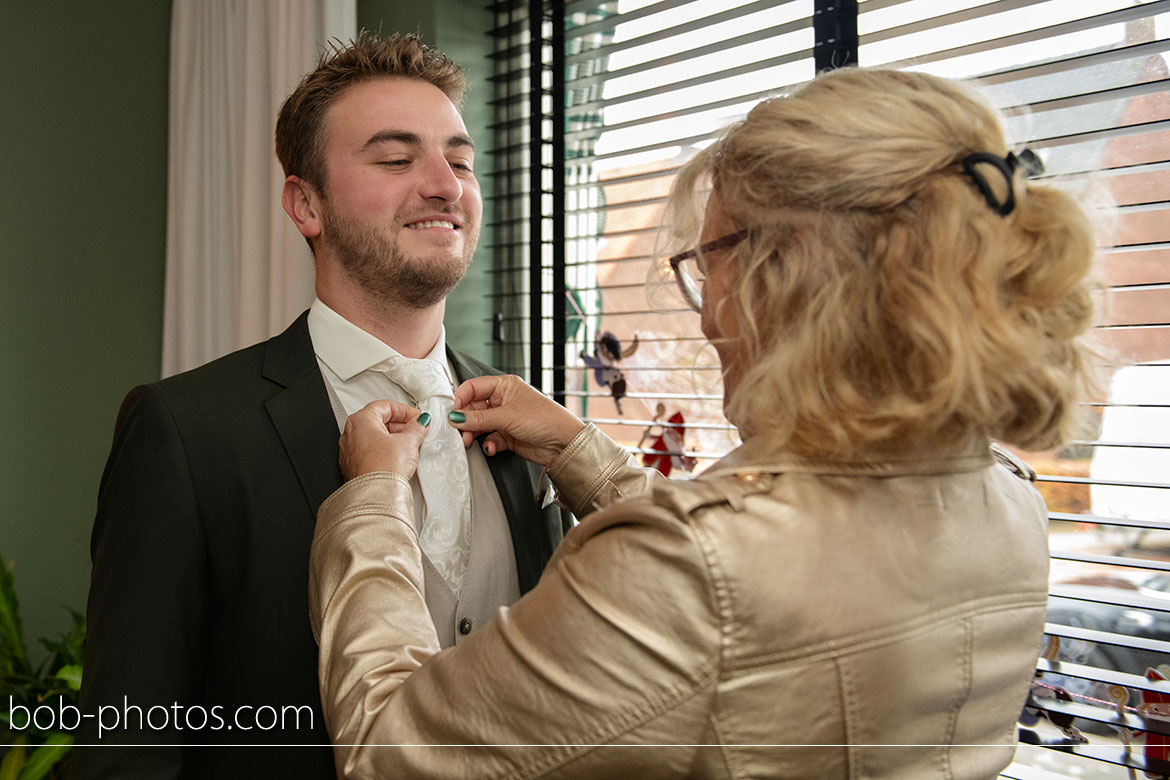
(776, 617)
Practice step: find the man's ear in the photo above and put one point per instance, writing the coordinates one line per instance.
(302, 204)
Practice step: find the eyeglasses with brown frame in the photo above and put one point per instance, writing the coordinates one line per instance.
(689, 273)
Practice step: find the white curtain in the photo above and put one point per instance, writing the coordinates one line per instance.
(237, 270)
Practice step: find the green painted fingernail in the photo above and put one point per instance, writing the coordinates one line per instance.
(424, 419)
(457, 417)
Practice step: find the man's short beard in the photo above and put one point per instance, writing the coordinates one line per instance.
(381, 269)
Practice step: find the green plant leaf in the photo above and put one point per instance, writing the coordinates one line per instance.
(73, 643)
(71, 674)
(67, 648)
(45, 756)
(13, 655)
(58, 676)
(19, 686)
(14, 758)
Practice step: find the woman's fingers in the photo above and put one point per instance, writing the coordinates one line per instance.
(480, 390)
(514, 416)
(382, 436)
(390, 412)
(494, 443)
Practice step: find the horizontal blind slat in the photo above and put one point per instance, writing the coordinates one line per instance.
(1091, 98)
(1096, 674)
(1112, 560)
(669, 32)
(1020, 771)
(1091, 481)
(701, 51)
(639, 13)
(1135, 601)
(697, 108)
(652, 396)
(933, 23)
(1107, 638)
(644, 423)
(1104, 134)
(1123, 522)
(784, 59)
(1061, 65)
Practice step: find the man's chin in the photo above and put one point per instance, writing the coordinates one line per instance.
(424, 285)
(439, 262)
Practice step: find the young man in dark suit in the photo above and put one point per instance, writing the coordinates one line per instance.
(198, 619)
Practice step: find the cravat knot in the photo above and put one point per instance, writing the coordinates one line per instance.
(421, 379)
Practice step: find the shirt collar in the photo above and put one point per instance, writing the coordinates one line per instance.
(348, 350)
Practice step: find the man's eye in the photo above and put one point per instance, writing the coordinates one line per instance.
(461, 167)
(393, 163)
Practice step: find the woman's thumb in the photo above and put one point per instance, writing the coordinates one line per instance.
(475, 420)
(420, 426)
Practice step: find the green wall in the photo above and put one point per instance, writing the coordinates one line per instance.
(83, 136)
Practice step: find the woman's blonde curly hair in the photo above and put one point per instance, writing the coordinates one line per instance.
(881, 302)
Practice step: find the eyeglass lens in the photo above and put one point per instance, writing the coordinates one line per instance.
(690, 282)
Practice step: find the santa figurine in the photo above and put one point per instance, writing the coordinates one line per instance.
(668, 445)
(1156, 708)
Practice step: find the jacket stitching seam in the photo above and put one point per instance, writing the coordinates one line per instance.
(724, 745)
(953, 717)
(848, 707)
(878, 637)
(723, 595)
(612, 730)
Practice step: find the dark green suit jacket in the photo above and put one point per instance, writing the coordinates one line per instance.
(198, 606)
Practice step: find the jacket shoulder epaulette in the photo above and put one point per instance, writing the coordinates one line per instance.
(687, 496)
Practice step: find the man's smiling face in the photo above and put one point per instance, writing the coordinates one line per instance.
(401, 206)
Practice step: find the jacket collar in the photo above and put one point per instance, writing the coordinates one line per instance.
(289, 357)
(754, 457)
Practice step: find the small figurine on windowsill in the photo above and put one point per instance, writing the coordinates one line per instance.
(668, 443)
(1033, 712)
(607, 353)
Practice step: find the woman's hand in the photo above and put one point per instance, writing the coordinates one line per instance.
(382, 436)
(518, 417)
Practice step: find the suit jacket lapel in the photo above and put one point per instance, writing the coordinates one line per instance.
(301, 412)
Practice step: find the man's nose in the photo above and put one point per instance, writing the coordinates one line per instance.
(439, 182)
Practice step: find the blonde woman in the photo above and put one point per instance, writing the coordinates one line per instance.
(859, 589)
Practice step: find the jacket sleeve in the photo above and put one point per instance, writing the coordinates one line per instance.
(594, 471)
(619, 643)
(147, 606)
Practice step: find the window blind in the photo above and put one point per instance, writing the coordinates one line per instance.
(646, 84)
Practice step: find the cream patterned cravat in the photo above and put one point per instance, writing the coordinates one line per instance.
(443, 476)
